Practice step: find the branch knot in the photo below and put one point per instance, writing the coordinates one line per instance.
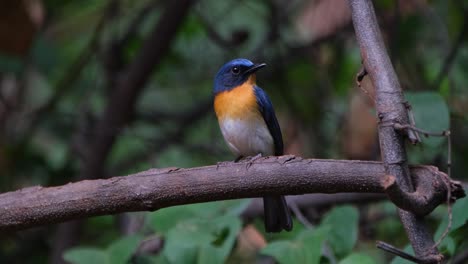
(430, 191)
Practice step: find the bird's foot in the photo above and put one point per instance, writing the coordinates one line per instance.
(251, 159)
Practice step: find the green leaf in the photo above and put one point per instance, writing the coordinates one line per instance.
(202, 240)
(431, 113)
(306, 248)
(284, 251)
(165, 219)
(459, 228)
(208, 254)
(159, 259)
(150, 259)
(9, 63)
(343, 223)
(357, 259)
(121, 250)
(82, 255)
(459, 216)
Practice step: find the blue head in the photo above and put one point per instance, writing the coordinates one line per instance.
(233, 74)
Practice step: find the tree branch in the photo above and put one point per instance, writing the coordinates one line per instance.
(390, 108)
(158, 188)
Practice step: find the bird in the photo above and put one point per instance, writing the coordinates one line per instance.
(249, 126)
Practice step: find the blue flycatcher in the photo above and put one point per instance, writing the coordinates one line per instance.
(249, 127)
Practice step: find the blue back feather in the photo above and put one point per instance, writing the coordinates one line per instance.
(268, 113)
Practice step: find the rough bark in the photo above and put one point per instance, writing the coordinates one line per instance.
(158, 188)
(390, 104)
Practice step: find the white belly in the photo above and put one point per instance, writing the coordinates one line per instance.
(246, 138)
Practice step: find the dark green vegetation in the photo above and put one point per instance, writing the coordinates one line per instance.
(65, 116)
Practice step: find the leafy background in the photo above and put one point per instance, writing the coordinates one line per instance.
(54, 48)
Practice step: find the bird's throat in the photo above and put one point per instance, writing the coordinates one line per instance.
(237, 103)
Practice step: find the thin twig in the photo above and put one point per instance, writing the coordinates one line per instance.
(300, 217)
(328, 252)
(450, 215)
(395, 251)
(413, 136)
(359, 77)
(449, 191)
(426, 133)
(449, 154)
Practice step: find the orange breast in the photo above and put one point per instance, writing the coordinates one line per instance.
(238, 103)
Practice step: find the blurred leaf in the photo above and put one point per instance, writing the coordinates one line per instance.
(121, 250)
(343, 223)
(200, 240)
(459, 216)
(448, 246)
(306, 248)
(459, 230)
(165, 219)
(345, 71)
(10, 63)
(159, 259)
(96, 225)
(357, 258)
(389, 228)
(431, 113)
(44, 54)
(82, 255)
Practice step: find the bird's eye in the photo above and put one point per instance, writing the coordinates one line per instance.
(235, 70)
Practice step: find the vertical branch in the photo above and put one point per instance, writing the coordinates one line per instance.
(390, 108)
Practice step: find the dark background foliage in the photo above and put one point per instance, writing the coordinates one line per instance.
(62, 68)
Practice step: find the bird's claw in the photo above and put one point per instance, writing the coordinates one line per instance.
(251, 159)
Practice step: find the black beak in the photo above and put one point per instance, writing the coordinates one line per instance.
(255, 68)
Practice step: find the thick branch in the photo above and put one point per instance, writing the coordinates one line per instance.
(159, 188)
(390, 107)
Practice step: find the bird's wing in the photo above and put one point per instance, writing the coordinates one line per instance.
(268, 113)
